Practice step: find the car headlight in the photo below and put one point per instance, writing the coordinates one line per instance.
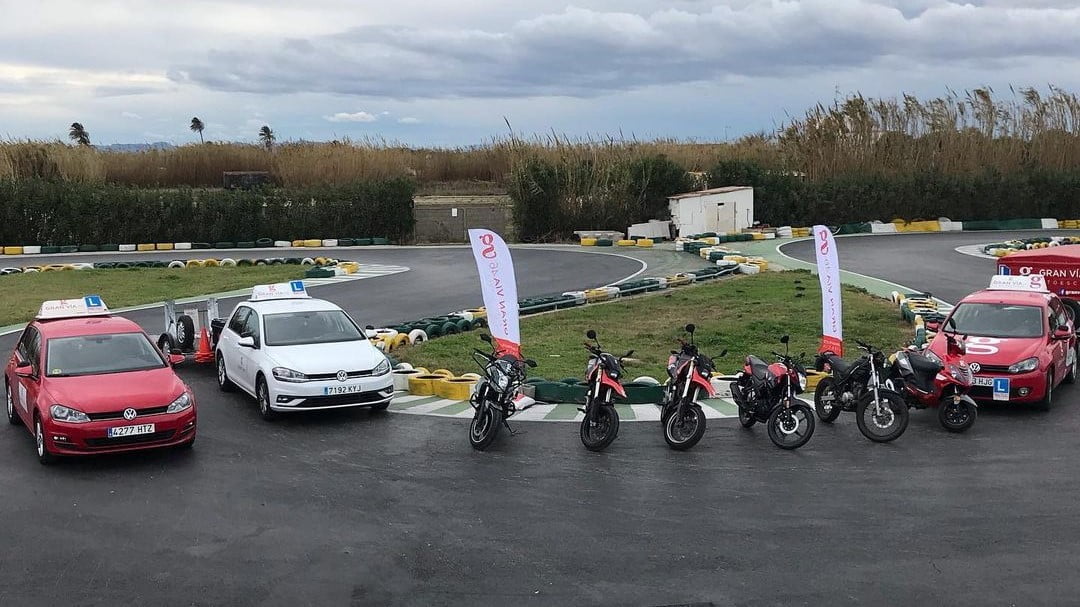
(285, 374)
(61, 413)
(182, 402)
(934, 357)
(1028, 364)
(382, 368)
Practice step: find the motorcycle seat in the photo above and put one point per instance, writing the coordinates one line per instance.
(758, 367)
(839, 365)
(922, 364)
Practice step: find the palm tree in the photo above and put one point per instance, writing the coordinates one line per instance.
(197, 126)
(78, 134)
(266, 136)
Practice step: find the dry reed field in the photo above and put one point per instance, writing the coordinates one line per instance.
(956, 134)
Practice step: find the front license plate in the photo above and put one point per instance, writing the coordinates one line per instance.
(983, 381)
(131, 430)
(332, 390)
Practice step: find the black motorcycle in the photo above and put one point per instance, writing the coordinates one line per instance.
(857, 386)
(493, 399)
(767, 394)
(689, 373)
(600, 425)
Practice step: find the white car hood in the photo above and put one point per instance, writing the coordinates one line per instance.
(357, 355)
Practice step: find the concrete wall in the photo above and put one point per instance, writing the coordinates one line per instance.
(448, 218)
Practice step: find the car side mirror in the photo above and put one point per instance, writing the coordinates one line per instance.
(176, 358)
(24, 369)
(246, 341)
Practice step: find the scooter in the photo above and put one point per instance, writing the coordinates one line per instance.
(681, 415)
(926, 382)
(493, 399)
(766, 393)
(881, 413)
(600, 425)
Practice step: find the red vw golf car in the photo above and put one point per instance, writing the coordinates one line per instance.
(83, 381)
(1020, 340)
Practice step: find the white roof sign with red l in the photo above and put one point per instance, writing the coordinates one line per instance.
(91, 305)
(282, 290)
(1032, 283)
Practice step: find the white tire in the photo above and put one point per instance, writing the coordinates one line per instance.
(645, 379)
(182, 246)
(417, 336)
(307, 261)
(177, 264)
(282, 243)
(127, 248)
(31, 250)
(228, 262)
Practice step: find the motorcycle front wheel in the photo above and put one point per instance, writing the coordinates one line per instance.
(597, 434)
(827, 401)
(791, 427)
(885, 423)
(956, 417)
(485, 427)
(684, 431)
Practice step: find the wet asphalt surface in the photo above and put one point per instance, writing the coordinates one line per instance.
(359, 508)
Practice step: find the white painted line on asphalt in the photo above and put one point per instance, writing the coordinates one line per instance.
(429, 407)
(974, 250)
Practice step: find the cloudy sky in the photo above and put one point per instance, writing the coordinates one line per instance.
(443, 73)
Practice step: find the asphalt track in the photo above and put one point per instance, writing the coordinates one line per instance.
(354, 508)
(923, 262)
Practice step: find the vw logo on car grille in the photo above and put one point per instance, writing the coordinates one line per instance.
(342, 376)
(129, 413)
(975, 367)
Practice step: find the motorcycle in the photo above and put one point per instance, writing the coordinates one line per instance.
(926, 381)
(881, 413)
(493, 399)
(766, 393)
(600, 425)
(681, 416)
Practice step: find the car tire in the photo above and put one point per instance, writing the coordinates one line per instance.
(224, 383)
(262, 397)
(12, 415)
(1047, 401)
(1071, 377)
(185, 332)
(44, 456)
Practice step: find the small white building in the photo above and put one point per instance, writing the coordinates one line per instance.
(720, 210)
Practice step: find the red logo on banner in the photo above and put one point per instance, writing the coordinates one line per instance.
(489, 250)
(831, 344)
(824, 244)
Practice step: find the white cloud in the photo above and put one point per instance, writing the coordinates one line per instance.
(351, 117)
(409, 120)
(130, 115)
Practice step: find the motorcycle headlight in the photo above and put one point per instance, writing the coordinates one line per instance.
(61, 413)
(802, 382)
(1024, 366)
(286, 374)
(961, 375)
(182, 402)
(500, 377)
(382, 368)
(934, 357)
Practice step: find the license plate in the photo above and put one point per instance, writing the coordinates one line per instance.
(131, 430)
(331, 390)
(983, 381)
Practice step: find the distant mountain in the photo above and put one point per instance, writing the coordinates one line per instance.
(135, 147)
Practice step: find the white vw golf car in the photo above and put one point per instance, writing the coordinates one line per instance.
(296, 353)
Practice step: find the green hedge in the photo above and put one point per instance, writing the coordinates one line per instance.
(60, 213)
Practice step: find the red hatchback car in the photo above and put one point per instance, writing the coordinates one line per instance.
(1020, 340)
(84, 382)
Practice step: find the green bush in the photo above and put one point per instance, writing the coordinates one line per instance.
(44, 212)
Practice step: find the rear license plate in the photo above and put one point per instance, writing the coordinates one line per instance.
(983, 381)
(332, 390)
(131, 430)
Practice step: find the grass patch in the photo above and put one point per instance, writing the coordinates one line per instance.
(23, 293)
(746, 315)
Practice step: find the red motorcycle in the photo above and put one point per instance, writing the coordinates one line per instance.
(681, 416)
(767, 394)
(600, 425)
(926, 381)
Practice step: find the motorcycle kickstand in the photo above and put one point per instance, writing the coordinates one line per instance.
(509, 429)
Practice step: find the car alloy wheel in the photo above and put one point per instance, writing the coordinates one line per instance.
(39, 438)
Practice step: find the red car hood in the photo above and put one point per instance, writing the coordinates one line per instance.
(116, 391)
(1008, 350)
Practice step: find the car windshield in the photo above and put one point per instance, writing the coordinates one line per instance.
(315, 327)
(997, 320)
(99, 354)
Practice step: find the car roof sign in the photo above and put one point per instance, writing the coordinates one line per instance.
(283, 290)
(1032, 283)
(90, 305)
